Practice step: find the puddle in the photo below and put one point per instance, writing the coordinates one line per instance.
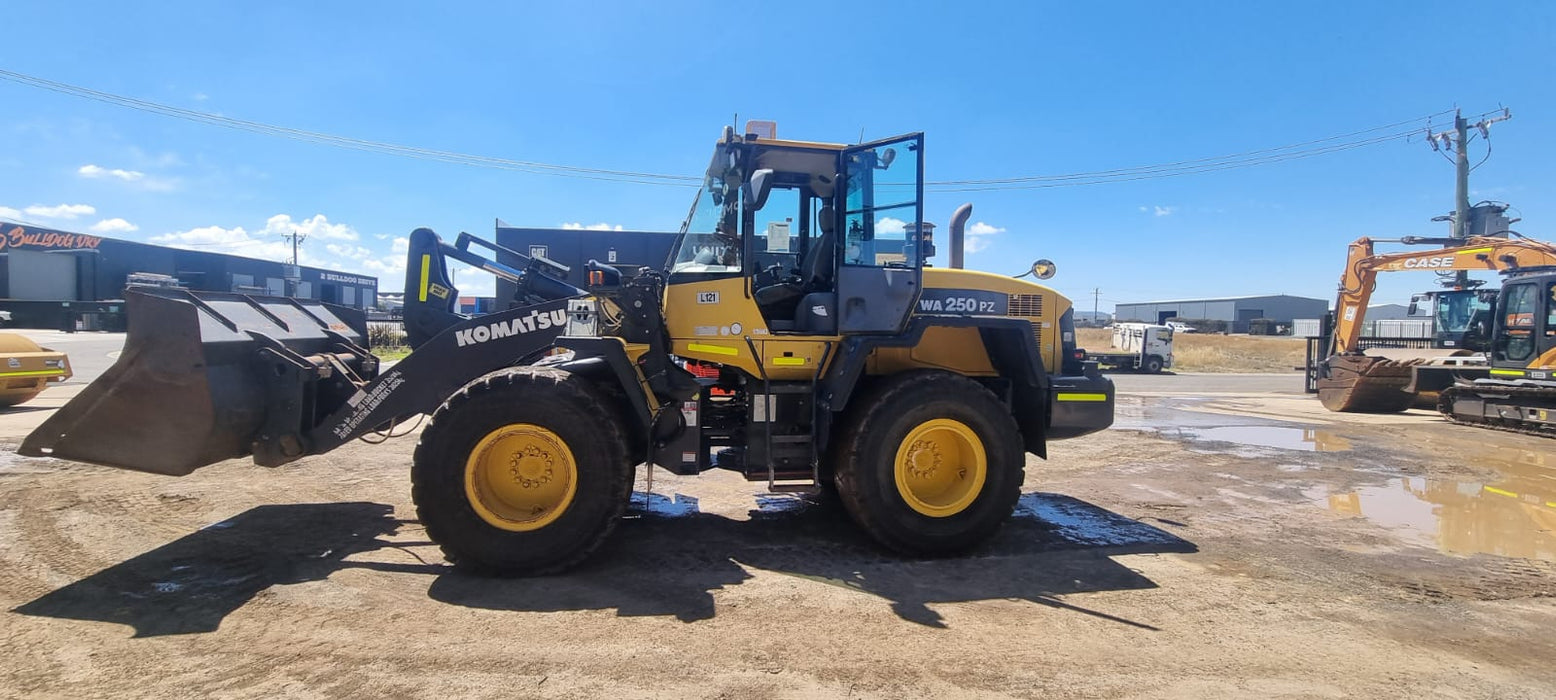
(1081, 523)
(1303, 439)
(1510, 515)
(1512, 459)
(675, 505)
(779, 504)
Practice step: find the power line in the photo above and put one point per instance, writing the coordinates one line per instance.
(347, 142)
(1204, 161)
(1160, 172)
(1263, 156)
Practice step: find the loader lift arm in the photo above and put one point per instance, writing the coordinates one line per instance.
(431, 298)
(208, 376)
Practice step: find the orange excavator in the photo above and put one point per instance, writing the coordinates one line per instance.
(1519, 391)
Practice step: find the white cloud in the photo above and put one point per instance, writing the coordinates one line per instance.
(61, 211)
(575, 226)
(887, 224)
(316, 227)
(329, 245)
(97, 172)
(1158, 210)
(979, 236)
(9, 213)
(114, 225)
(214, 238)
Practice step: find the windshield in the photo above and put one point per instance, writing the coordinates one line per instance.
(1455, 310)
(710, 238)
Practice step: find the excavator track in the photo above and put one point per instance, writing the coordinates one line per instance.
(1538, 394)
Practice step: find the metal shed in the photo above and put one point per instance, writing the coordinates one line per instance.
(1235, 311)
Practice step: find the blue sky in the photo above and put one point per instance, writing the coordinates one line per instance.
(1002, 90)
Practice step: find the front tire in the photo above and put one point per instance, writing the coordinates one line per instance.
(521, 472)
(1153, 365)
(930, 464)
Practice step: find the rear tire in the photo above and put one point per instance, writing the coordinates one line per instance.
(521, 472)
(931, 463)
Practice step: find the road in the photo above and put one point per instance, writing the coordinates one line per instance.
(1228, 538)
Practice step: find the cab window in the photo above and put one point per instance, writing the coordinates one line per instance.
(1520, 302)
(1550, 310)
(881, 206)
(777, 229)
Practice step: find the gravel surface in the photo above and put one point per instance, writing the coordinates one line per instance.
(1227, 539)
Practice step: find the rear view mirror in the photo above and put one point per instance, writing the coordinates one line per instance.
(1414, 306)
(886, 158)
(761, 185)
(1044, 269)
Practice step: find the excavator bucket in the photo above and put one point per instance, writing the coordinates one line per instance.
(1365, 384)
(197, 377)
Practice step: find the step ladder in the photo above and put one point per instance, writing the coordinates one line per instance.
(790, 481)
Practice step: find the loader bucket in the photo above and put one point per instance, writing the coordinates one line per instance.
(1362, 384)
(186, 390)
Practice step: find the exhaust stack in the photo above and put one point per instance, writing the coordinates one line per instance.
(958, 226)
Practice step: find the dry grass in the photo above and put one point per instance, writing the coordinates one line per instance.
(1204, 352)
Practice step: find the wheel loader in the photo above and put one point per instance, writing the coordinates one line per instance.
(828, 356)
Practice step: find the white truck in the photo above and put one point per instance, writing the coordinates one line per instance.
(1146, 347)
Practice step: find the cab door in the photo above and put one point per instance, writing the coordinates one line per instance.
(878, 276)
(1518, 323)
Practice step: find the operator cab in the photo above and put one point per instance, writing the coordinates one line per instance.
(820, 232)
(1525, 333)
(1459, 317)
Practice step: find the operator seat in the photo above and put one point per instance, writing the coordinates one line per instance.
(777, 300)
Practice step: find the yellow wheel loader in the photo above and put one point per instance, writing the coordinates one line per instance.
(828, 354)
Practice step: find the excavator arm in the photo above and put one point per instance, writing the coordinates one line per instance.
(1478, 253)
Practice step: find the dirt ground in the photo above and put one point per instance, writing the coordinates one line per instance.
(1236, 543)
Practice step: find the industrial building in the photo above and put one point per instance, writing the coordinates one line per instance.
(47, 275)
(1235, 311)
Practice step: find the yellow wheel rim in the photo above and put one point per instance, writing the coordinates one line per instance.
(521, 477)
(940, 467)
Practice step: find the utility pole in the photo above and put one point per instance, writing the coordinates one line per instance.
(1096, 297)
(294, 277)
(1458, 141)
(297, 239)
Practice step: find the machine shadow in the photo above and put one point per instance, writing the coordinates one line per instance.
(666, 559)
(191, 584)
(670, 557)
